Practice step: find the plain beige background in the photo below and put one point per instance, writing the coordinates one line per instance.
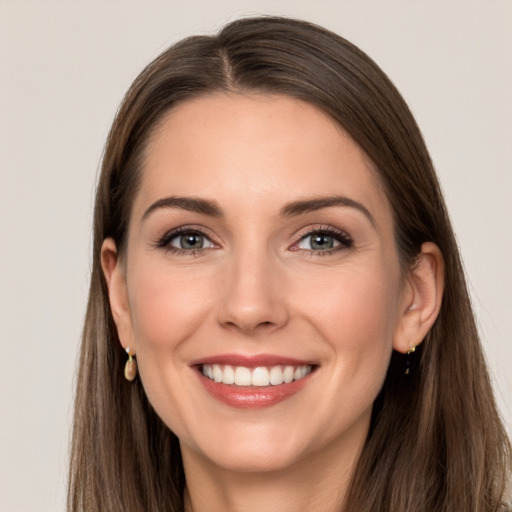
(64, 68)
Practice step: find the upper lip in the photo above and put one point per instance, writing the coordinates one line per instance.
(251, 361)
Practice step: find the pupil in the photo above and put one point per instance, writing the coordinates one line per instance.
(322, 242)
(191, 241)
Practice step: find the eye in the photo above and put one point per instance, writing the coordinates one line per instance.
(189, 241)
(318, 242)
(184, 241)
(324, 240)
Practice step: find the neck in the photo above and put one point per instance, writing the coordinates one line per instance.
(318, 482)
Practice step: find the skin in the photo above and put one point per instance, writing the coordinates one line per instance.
(259, 287)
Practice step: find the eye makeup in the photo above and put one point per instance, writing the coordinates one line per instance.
(321, 240)
(185, 241)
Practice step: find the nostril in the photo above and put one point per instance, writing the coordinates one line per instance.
(266, 323)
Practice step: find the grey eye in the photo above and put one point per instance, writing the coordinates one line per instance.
(190, 241)
(318, 242)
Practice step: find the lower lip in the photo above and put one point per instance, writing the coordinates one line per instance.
(252, 397)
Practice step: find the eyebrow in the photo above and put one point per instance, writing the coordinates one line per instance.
(212, 209)
(191, 204)
(311, 205)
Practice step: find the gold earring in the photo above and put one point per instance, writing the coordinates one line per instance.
(130, 368)
(407, 362)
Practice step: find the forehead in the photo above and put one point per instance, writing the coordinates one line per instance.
(264, 149)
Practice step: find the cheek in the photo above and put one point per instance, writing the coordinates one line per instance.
(356, 312)
(361, 299)
(168, 308)
(167, 305)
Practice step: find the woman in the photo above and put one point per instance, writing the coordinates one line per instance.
(272, 248)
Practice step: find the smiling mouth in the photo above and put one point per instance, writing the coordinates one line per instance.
(253, 382)
(260, 376)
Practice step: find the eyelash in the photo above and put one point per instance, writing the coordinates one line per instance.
(165, 241)
(344, 239)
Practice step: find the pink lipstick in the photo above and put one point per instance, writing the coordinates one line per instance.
(253, 381)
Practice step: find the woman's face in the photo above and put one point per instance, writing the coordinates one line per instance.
(261, 254)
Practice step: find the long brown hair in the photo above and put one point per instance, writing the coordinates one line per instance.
(436, 442)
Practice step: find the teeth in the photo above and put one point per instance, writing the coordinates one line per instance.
(228, 375)
(260, 376)
(276, 376)
(242, 376)
(288, 374)
(217, 373)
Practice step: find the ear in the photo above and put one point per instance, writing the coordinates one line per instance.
(421, 298)
(115, 276)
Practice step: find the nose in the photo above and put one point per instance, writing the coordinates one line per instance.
(254, 295)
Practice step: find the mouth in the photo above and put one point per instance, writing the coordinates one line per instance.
(253, 382)
(260, 376)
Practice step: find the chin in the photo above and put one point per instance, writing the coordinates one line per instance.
(257, 459)
(255, 450)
